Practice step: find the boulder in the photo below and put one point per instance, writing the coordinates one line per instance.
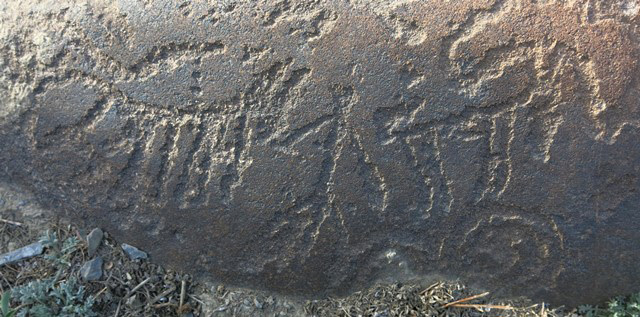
(314, 147)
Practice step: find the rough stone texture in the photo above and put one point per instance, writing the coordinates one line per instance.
(21, 254)
(310, 147)
(94, 238)
(133, 253)
(92, 269)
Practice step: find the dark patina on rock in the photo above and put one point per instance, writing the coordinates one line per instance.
(312, 147)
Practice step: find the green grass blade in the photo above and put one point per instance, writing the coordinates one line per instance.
(5, 304)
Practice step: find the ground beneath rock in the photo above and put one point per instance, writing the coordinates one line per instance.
(140, 288)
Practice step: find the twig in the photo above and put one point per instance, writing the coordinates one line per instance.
(165, 293)
(183, 291)
(465, 299)
(5, 280)
(119, 280)
(118, 309)
(106, 281)
(19, 307)
(197, 300)
(15, 223)
(431, 287)
(478, 306)
(100, 292)
(138, 286)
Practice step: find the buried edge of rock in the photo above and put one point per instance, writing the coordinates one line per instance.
(312, 147)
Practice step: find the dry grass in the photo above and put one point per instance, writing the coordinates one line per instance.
(127, 288)
(141, 288)
(439, 299)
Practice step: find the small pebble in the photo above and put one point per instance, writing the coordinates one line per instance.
(92, 270)
(22, 253)
(93, 240)
(133, 253)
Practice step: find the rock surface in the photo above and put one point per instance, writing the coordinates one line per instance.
(133, 253)
(21, 254)
(94, 238)
(92, 269)
(311, 147)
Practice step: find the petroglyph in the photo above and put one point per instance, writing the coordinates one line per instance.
(290, 145)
